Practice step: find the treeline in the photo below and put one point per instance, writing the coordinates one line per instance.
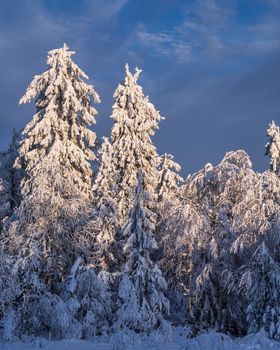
(131, 248)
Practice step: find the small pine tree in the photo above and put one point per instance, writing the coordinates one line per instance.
(9, 291)
(9, 179)
(169, 179)
(168, 192)
(272, 148)
(88, 300)
(142, 304)
(106, 216)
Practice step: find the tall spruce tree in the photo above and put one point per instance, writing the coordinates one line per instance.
(135, 121)
(55, 154)
(58, 133)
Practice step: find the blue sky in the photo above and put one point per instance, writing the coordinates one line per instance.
(212, 67)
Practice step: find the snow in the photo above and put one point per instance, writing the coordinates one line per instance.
(205, 341)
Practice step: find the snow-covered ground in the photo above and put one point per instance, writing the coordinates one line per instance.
(211, 341)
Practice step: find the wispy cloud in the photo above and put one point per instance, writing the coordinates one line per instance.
(166, 44)
(214, 28)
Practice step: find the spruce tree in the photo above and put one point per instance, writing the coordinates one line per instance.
(135, 121)
(106, 216)
(58, 132)
(88, 300)
(142, 304)
(55, 154)
(168, 192)
(9, 291)
(9, 179)
(272, 148)
(169, 179)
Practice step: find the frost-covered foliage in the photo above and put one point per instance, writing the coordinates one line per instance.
(5, 187)
(135, 121)
(204, 229)
(9, 291)
(88, 300)
(255, 251)
(106, 216)
(214, 191)
(55, 154)
(170, 222)
(169, 179)
(260, 283)
(9, 179)
(272, 148)
(142, 304)
(271, 321)
(58, 133)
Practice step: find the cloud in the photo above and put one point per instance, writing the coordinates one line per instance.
(106, 10)
(166, 44)
(214, 29)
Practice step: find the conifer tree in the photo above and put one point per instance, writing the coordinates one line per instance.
(5, 189)
(168, 192)
(135, 121)
(88, 300)
(55, 154)
(142, 304)
(272, 148)
(106, 220)
(9, 290)
(9, 179)
(58, 132)
(169, 179)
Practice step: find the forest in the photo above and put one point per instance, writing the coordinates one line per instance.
(103, 236)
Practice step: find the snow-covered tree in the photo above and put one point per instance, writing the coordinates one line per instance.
(9, 291)
(260, 283)
(169, 201)
(169, 179)
(106, 216)
(271, 321)
(9, 179)
(255, 251)
(142, 304)
(201, 228)
(135, 121)
(88, 300)
(58, 133)
(5, 188)
(55, 154)
(272, 148)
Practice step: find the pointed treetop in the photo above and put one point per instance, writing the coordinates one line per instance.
(272, 148)
(130, 77)
(273, 129)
